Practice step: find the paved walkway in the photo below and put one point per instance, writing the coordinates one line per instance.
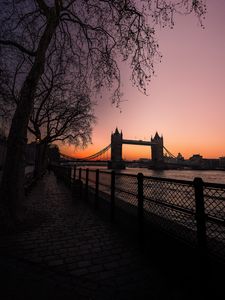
(68, 252)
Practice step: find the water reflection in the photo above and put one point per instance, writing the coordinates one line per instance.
(213, 176)
(208, 176)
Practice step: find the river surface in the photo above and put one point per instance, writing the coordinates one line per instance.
(208, 176)
(214, 176)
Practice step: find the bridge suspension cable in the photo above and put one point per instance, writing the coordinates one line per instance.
(90, 157)
(99, 153)
(168, 152)
(102, 152)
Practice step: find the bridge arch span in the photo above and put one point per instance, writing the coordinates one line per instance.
(117, 141)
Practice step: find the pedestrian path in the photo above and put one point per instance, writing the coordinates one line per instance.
(68, 252)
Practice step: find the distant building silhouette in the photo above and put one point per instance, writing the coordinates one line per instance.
(222, 162)
(53, 153)
(30, 153)
(198, 162)
(179, 157)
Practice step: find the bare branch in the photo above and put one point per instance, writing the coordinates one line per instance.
(18, 46)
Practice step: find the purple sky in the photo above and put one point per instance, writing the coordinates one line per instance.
(186, 100)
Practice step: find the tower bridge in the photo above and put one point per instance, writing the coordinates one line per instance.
(116, 161)
(117, 141)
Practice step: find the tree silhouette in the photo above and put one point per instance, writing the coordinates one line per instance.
(62, 112)
(91, 34)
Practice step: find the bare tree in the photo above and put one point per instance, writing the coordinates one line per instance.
(62, 112)
(91, 34)
(6, 101)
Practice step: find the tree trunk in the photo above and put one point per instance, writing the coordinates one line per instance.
(12, 189)
(14, 168)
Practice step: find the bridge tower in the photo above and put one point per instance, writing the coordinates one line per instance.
(157, 151)
(116, 151)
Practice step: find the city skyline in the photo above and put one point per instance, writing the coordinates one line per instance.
(185, 102)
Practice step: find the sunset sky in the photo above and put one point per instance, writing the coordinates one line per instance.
(186, 100)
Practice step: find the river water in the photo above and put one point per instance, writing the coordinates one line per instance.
(214, 176)
(207, 176)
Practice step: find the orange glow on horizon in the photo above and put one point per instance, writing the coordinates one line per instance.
(131, 152)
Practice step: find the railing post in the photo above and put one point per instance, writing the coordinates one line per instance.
(140, 205)
(70, 176)
(200, 214)
(74, 172)
(112, 200)
(80, 170)
(86, 184)
(96, 188)
(81, 185)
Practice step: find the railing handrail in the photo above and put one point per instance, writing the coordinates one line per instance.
(181, 181)
(199, 210)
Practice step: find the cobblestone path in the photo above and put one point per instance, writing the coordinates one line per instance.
(69, 251)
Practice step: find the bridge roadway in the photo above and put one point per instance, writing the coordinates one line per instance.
(138, 142)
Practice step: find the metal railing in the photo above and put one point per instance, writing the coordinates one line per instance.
(192, 211)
